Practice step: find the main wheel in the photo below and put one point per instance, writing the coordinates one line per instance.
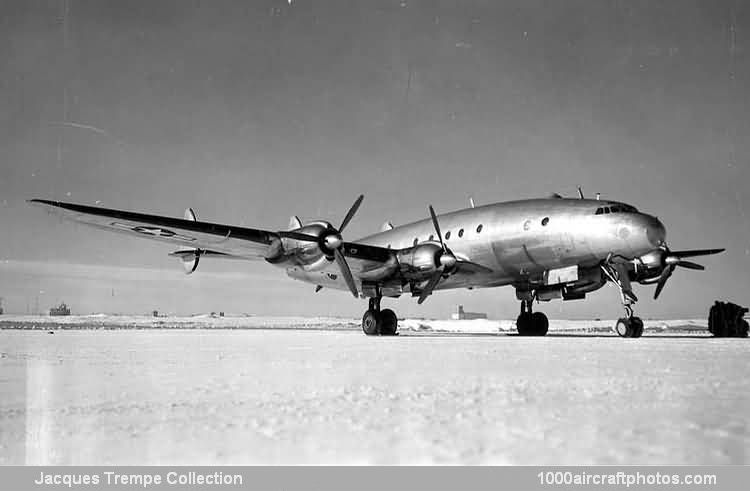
(524, 324)
(388, 322)
(371, 323)
(539, 323)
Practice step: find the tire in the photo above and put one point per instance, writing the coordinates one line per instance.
(539, 323)
(622, 327)
(388, 322)
(371, 323)
(636, 326)
(524, 325)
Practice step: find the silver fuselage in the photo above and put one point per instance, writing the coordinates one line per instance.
(521, 240)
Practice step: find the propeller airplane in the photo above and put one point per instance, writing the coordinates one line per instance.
(553, 248)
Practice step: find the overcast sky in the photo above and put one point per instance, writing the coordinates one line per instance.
(251, 111)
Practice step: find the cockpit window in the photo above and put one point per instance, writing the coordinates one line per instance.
(620, 208)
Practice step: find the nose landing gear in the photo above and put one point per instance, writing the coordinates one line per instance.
(378, 322)
(630, 326)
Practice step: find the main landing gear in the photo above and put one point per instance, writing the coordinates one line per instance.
(378, 322)
(630, 326)
(531, 323)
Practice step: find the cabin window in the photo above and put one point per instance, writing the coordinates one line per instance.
(600, 211)
(432, 237)
(545, 221)
(447, 235)
(416, 240)
(461, 233)
(606, 210)
(479, 228)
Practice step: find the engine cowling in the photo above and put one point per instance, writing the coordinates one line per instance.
(648, 267)
(420, 261)
(310, 254)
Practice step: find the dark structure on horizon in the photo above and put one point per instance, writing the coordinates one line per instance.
(61, 309)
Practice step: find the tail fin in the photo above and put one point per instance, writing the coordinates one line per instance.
(294, 223)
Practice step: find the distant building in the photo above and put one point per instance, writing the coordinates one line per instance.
(461, 314)
(61, 309)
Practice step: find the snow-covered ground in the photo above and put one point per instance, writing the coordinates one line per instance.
(324, 396)
(202, 321)
(481, 326)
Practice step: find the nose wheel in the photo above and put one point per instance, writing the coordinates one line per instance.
(629, 327)
(378, 322)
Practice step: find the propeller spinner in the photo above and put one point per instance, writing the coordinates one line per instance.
(672, 259)
(331, 242)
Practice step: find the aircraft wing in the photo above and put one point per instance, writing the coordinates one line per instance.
(224, 240)
(368, 263)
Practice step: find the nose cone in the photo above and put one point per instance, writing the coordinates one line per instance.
(655, 231)
(333, 241)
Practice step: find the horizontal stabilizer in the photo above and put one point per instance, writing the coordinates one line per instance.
(191, 257)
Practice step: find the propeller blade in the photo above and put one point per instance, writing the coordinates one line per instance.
(351, 213)
(694, 253)
(437, 227)
(665, 274)
(430, 285)
(691, 265)
(344, 267)
(298, 236)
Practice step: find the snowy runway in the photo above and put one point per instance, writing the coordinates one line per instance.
(326, 397)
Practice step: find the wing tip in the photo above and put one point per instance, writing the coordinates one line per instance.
(39, 201)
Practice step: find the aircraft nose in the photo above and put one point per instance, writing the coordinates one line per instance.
(655, 231)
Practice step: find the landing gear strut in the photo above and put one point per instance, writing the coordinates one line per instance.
(531, 323)
(629, 326)
(378, 322)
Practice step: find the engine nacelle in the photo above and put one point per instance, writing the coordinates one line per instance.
(420, 261)
(286, 250)
(648, 268)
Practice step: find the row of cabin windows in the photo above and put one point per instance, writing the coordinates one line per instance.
(616, 209)
(447, 234)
